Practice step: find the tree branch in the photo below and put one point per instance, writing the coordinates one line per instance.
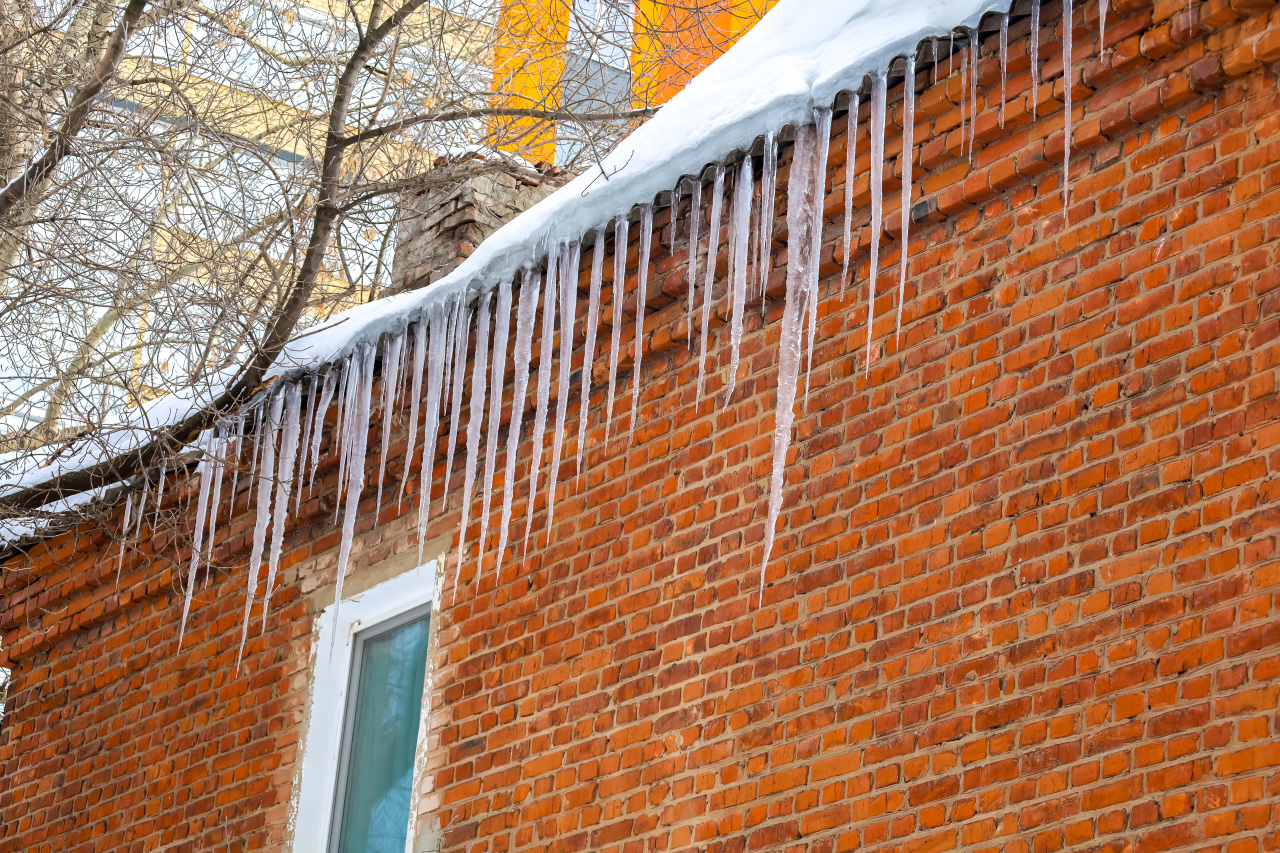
(495, 112)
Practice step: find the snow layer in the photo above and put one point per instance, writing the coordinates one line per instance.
(798, 57)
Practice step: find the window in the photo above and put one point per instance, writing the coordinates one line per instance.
(364, 746)
(597, 75)
(380, 736)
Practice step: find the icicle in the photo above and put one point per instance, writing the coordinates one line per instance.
(768, 198)
(317, 429)
(1102, 24)
(822, 118)
(589, 352)
(936, 59)
(908, 131)
(708, 284)
(620, 228)
(475, 415)
(501, 330)
(1035, 55)
(1067, 82)
(739, 247)
(437, 358)
(234, 458)
(695, 221)
(204, 472)
(461, 330)
(802, 216)
(877, 199)
(220, 460)
(356, 437)
(391, 355)
(308, 419)
(124, 538)
(284, 484)
(851, 154)
(415, 396)
(568, 316)
(520, 387)
(964, 101)
(342, 427)
(267, 430)
(155, 521)
(974, 48)
(642, 293)
(1004, 63)
(544, 388)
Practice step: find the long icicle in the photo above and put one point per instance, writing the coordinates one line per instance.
(1004, 64)
(437, 357)
(589, 352)
(642, 293)
(768, 203)
(475, 418)
(501, 330)
(205, 472)
(695, 221)
(356, 438)
(520, 386)
(220, 461)
(708, 283)
(542, 405)
(265, 474)
(850, 156)
(342, 427)
(822, 118)
(1035, 56)
(317, 429)
(620, 228)
(415, 396)
(877, 201)
(308, 419)
(392, 351)
(1067, 83)
(124, 539)
(1102, 24)
(461, 331)
(284, 483)
(801, 218)
(974, 50)
(568, 319)
(908, 132)
(740, 244)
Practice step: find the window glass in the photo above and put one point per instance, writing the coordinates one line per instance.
(381, 736)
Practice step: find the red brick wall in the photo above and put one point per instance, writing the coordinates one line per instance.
(1024, 586)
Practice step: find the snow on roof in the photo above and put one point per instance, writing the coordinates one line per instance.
(800, 56)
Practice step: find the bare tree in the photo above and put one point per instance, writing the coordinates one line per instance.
(187, 186)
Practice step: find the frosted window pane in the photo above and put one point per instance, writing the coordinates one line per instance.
(383, 735)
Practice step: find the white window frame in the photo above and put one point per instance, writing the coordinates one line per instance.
(317, 784)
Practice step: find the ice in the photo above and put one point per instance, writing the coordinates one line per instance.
(768, 198)
(589, 351)
(973, 89)
(501, 331)
(317, 429)
(620, 228)
(1067, 80)
(204, 472)
(1102, 24)
(461, 330)
(695, 221)
(124, 536)
(525, 316)
(437, 358)
(475, 417)
(266, 432)
(800, 219)
(642, 290)
(155, 521)
(415, 397)
(307, 421)
(391, 355)
(234, 458)
(1004, 62)
(908, 131)
(739, 245)
(222, 457)
(1035, 56)
(850, 156)
(544, 388)
(342, 425)
(568, 316)
(877, 200)
(708, 284)
(356, 434)
(816, 196)
(284, 483)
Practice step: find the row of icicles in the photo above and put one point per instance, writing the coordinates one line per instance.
(283, 438)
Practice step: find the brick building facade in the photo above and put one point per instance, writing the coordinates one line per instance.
(1023, 594)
